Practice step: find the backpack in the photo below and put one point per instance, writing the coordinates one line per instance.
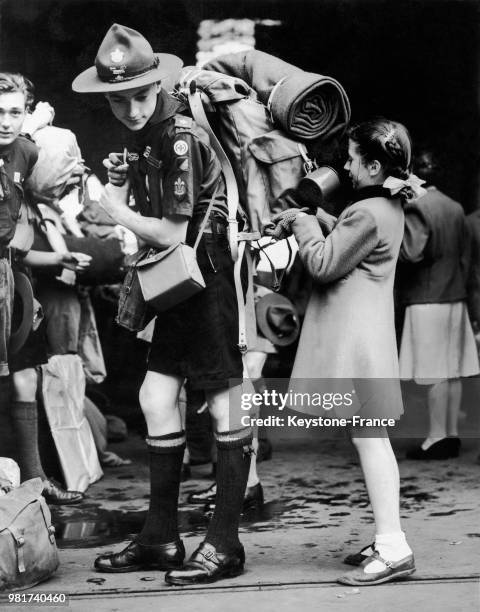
(260, 136)
(28, 552)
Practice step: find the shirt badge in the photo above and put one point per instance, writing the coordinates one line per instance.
(179, 188)
(183, 165)
(180, 147)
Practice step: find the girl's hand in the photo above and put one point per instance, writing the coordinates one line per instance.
(283, 223)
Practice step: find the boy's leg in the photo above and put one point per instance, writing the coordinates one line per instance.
(158, 544)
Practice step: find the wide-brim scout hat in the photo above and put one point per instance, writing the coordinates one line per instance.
(125, 60)
(23, 307)
(277, 319)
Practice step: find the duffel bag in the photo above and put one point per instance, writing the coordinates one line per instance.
(28, 551)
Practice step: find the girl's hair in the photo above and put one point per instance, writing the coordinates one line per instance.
(13, 81)
(386, 141)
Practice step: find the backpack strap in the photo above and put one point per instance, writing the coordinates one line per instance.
(237, 240)
(200, 117)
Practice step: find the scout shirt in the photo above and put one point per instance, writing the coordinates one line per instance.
(16, 162)
(173, 169)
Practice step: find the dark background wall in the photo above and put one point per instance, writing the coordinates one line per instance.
(415, 61)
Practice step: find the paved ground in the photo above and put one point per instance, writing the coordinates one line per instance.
(316, 512)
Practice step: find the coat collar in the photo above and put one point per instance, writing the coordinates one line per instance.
(166, 108)
(372, 191)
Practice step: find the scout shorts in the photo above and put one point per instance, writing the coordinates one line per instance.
(197, 339)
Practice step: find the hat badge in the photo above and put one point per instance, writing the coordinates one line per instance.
(117, 56)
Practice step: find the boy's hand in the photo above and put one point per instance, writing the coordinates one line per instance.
(114, 198)
(75, 261)
(117, 169)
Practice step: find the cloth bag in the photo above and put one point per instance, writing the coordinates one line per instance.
(89, 345)
(28, 551)
(63, 389)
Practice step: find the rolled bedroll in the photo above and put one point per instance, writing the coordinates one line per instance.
(306, 105)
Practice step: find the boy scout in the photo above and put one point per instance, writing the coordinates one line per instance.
(173, 173)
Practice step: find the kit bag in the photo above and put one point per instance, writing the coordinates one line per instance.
(28, 551)
(170, 277)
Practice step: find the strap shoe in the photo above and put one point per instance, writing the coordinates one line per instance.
(138, 556)
(54, 494)
(208, 565)
(393, 571)
(447, 448)
(358, 558)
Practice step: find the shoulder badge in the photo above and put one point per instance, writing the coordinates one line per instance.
(180, 147)
(181, 121)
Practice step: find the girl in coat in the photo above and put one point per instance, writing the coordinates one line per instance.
(348, 332)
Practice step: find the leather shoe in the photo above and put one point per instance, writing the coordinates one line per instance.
(205, 496)
(447, 448)
(208, 565)
(55, 494)
(357, 559)
(253, 499)
(138, 556)
(393, 571)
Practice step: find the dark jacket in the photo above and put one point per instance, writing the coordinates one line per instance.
(16, 163)
(435, 252)
(473, 284)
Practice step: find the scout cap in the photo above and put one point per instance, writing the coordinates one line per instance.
(125, 60)
(277, 319)
(23, 311)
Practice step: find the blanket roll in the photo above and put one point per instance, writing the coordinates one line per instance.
(307, 106)
(310, 106)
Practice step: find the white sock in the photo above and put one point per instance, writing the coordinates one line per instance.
(426, 444)
(391, 547)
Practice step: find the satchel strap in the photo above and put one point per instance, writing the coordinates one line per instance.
(19, 537)
(205, 218)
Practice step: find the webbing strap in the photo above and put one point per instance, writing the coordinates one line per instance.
(200, 117)
(242, 321)
(206, 217)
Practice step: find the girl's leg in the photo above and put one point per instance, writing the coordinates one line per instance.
(454, 401)
(382, 480)
(438, 398)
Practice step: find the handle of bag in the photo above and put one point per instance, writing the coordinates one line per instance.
(205, 218)
(277, 279)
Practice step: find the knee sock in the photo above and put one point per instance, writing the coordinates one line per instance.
(25, 424)
(233, 462)
(166, 455)
(391, 547)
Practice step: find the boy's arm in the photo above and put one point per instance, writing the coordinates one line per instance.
(160, 233)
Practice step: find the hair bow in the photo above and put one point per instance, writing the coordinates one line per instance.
(411, 186)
